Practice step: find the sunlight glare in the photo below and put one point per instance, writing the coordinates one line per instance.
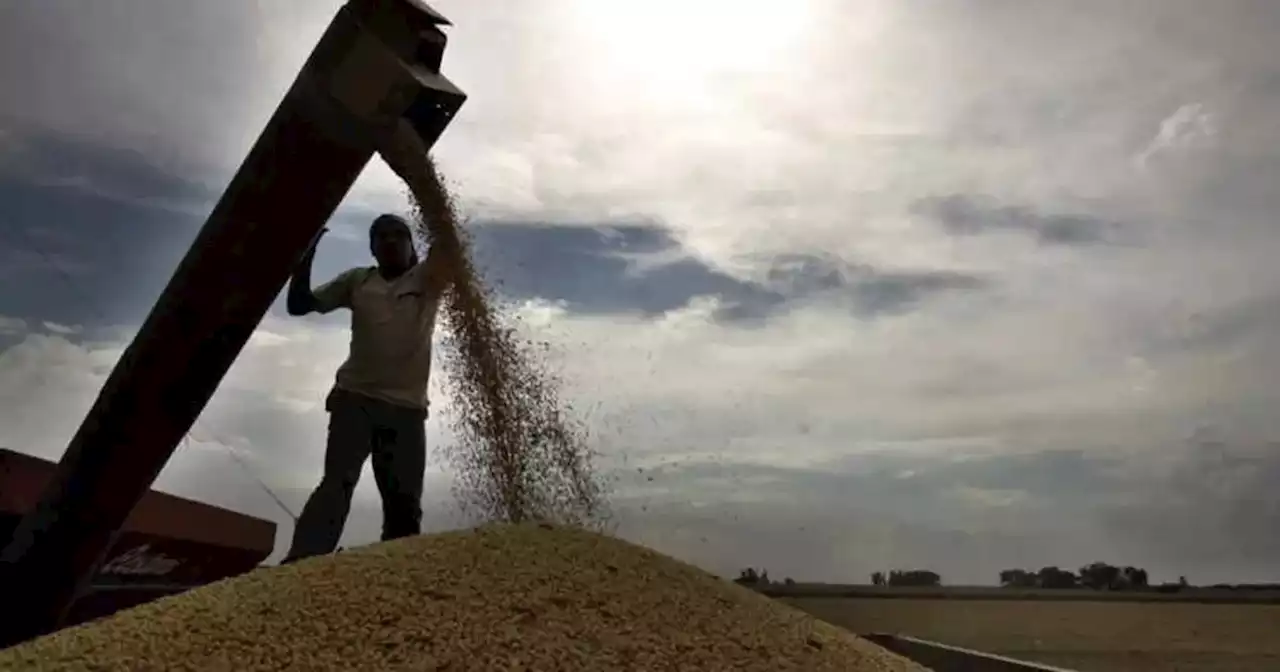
(688, 42)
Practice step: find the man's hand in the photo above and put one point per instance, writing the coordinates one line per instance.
(404, 152)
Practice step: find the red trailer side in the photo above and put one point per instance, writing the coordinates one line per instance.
(168, 544)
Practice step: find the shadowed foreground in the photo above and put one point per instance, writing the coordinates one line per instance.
(494, 598)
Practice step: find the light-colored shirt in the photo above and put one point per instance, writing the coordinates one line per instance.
(392, 323)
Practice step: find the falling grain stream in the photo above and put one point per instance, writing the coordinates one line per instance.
(520, 454)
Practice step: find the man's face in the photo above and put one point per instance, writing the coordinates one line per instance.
(392, 246)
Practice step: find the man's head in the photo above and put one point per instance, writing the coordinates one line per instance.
(391, 241)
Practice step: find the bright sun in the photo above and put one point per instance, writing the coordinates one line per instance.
(685, 42)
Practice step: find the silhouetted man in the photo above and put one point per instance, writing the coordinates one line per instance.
(378, 404)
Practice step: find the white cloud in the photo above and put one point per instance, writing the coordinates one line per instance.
(49, 383)
(1189, 127)
(12, 325)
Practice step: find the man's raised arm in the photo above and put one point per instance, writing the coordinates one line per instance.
(300, 299)
(332, 295)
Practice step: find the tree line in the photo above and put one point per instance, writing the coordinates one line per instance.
(907, 577)
(1097, 576)
(910, 577)
(751, 577)
(1093, 576)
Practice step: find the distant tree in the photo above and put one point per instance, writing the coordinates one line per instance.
(788, 581)
(877, 578)
(914, 577)
(1053, 577)
(764, 577)
(747, 577)
(1134, 578)
(1182, 581)
(1100, 576)
(1017, 578)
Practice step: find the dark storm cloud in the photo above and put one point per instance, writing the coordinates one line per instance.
(592, 269)
(863, 289)
(91, 233)
(866, 290)
(73, 254)
(44, 158)
(963, 215)
(84, 259)
(103, 230)
(877, 292)
(89, 236)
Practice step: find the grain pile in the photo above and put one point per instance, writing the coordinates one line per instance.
(520, 454)
(500, 597)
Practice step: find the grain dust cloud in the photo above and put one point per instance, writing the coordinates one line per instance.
(520, 453)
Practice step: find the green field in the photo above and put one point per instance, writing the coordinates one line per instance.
(1104, 635)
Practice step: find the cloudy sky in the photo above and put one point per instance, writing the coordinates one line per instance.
(844, 285)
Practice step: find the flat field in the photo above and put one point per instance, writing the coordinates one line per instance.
(1091, 636)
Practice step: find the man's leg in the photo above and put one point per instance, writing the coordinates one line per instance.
(399, 460)
(320, 524)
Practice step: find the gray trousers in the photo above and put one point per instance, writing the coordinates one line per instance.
(361, 426)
